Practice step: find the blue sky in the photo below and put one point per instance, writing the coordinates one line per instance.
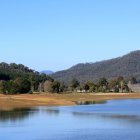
(56, 34)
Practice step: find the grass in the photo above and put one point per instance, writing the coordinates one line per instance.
(8, 102)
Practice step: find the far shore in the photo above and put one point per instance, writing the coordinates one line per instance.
(8, 102)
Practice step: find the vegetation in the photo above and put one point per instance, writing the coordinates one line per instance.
(125, 66)
(17, 78)
(103, 85)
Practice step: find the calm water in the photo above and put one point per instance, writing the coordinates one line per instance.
(114, 120)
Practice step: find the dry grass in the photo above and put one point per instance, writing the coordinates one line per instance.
(27, 100)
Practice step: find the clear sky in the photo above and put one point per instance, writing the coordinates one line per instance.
(56, 34)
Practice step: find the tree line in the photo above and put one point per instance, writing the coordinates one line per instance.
(17, 78)
(102, 85)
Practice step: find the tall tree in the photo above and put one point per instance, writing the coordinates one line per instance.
(74, 84)
(133, 80)
(103, 84)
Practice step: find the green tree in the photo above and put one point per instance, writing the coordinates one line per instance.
(122, 84)
(133, 80)
(56, 86)
(92, 88)
(3, 86)
(86, 87)
(103, 85)
(114, 85)
(62, 87)
(74, 84)
(119, 79)
(89, 86)
(24, 85)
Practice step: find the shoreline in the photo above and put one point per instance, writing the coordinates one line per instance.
(9, 102)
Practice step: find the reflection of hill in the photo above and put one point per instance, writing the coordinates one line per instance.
(15, 114)
(108, 116)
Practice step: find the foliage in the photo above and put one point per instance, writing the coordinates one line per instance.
(74, 83)
(20, 79)
(17, 78)
(133, 80)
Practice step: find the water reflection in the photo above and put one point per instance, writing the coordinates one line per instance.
(16, 114)
(132, 118)
(52, 111)
(114, 120)
(89, 102)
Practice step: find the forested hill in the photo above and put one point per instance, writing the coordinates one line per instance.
(13, 71)
(17, 78)
(127, 65)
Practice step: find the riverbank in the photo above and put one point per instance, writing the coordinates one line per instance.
(8, 102)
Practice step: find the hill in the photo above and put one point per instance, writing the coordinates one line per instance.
(127, 65)
(17, 78)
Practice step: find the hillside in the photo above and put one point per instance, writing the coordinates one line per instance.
(17, 78)
(127, 65)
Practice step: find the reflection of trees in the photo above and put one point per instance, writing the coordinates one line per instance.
(52, 111)
(89, 102)
(15, 114)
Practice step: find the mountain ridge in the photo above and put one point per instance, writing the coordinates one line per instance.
(126, 65)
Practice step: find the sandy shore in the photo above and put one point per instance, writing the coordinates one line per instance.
(27, 100)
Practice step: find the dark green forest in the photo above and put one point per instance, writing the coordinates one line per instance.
(17, 78)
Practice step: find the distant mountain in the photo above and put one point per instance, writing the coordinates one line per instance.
(127, 65)
(48, 72)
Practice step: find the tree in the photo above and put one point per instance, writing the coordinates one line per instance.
(3, 86)
(24, 85)
(89, 86)
(114, 85)
(62, 87)
(122, 84)
(74, 84)
(18, 77)
(48, 86)
(13, 87)
(56, 86)
(4, 77)
(103, 84)
(8, 87)
(52, 87)
(86, 87)
(119, 79)
(133, 80)
(92, 88)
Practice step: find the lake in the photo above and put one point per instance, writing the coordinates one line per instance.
(110, 120)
